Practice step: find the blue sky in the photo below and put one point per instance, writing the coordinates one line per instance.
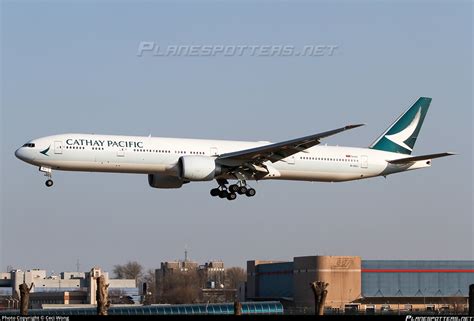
(72, 67)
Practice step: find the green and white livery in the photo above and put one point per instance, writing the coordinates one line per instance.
(401, 136)
(172, 162)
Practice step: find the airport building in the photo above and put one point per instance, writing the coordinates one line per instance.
(369, 286)
(66, 288)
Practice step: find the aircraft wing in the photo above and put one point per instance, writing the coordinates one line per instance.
(418, 158)
(277, 151)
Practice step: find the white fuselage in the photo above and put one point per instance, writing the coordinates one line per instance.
(153, 155)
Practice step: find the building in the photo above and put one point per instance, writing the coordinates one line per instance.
(164, 275)
(39, 300)
(365, 285)
(416, 285)
(213, 273)
(208, 279)
(65, 288)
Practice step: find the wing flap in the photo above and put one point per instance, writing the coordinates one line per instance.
(418, 158)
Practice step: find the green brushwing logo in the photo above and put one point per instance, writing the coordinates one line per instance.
(402, 134)
(45, 152)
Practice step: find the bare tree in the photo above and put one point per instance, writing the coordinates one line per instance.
(134, 270)
(235, 276)
(129, 270)
(320, 292)
(102, 296)
(237, 308)
(25, 297)
(181, 287)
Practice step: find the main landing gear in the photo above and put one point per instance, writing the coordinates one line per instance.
(48, 173)
(231, 192)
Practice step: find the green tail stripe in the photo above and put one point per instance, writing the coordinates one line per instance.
(401, 136)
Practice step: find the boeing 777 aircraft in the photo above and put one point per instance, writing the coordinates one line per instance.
(172, 162)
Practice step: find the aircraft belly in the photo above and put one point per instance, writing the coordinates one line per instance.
(328, 172)
(107, 166)
(319, 176)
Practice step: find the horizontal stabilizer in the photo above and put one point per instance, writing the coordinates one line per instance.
(418, 158)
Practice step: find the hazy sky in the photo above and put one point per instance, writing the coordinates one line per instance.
(72, 67)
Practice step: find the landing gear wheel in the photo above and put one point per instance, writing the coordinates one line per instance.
(231, 196)
(215, 192)
(242, 190)
(223, 194)
(251, 192)
(49, 182)
(233, 188)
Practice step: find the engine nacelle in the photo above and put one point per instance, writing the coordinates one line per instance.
(165, 181)
(198, 168)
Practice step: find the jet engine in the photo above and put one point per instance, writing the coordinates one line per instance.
(165, 181)
(198, 168)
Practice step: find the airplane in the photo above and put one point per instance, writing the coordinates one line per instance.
(173, 162)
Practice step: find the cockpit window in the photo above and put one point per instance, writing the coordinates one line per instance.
(31, 145)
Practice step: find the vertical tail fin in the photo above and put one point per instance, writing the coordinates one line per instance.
(401, 136)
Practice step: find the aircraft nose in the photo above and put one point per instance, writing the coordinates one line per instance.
(20, 153)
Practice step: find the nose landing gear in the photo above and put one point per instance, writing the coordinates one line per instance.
(48, 173)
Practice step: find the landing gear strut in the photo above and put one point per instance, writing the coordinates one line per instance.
(48, 173)
(231, 192)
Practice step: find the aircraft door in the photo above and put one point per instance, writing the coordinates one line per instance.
(214, 151)
(58, 147)
(290, 160)
(121, 152)
(364, 161)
